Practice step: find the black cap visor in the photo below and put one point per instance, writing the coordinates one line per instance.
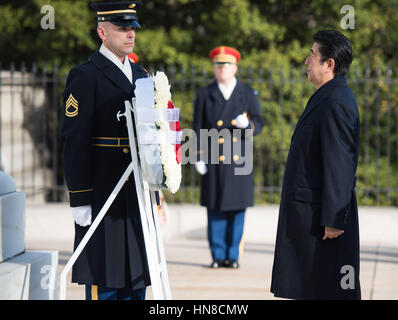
(124, 21)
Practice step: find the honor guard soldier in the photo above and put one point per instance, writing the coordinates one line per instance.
(226, 106)
(113, 265)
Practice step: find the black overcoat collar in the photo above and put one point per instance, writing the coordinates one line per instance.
(318, 95)
(113, 73)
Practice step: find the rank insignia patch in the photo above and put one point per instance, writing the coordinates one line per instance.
(71, 107)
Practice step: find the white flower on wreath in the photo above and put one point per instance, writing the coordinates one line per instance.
(171, 169)
(162, 90)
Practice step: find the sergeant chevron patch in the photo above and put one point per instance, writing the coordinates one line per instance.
(71, 107)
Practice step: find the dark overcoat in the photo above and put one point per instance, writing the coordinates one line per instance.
(228, 185)
(95, 92)
(318, 191)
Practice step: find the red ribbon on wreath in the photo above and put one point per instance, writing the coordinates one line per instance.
(175, 126)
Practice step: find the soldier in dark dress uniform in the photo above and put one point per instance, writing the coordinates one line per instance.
(229, 109)
(113, 265)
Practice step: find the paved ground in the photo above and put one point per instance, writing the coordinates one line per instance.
(51, 227)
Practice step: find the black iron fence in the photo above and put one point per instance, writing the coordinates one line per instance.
(30, 105)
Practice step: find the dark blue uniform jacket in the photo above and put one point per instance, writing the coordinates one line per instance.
(222, 189)
(96, 154)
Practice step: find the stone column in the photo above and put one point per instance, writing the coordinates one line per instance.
(23, 274)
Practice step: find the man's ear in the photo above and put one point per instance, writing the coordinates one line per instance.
(331, 64)
(101, 32)
(235, 66)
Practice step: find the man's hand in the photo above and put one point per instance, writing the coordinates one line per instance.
(201, 167)
(242, 122)
(82, 215)
(331, 233)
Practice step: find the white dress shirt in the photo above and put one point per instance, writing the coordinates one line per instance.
(227, 90)
(125, 67)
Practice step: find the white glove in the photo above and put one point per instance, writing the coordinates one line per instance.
(201, 167)
(82, 215)
(241, 121)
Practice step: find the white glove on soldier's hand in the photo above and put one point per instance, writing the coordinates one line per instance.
(82, 215)
(242, 121)
(201, 167)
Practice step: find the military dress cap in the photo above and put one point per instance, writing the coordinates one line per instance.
(133, 57)
(120, 13)
(223, 54)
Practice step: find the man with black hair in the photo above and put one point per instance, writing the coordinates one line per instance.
(317, 243)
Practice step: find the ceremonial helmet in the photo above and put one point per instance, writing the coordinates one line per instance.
(133, 57)
(224, 54)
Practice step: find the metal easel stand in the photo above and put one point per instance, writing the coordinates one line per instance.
(149, 220)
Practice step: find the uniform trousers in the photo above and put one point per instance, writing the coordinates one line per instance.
(102, 293)
(224, 232)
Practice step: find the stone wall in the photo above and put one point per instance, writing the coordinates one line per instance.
(24, 153)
